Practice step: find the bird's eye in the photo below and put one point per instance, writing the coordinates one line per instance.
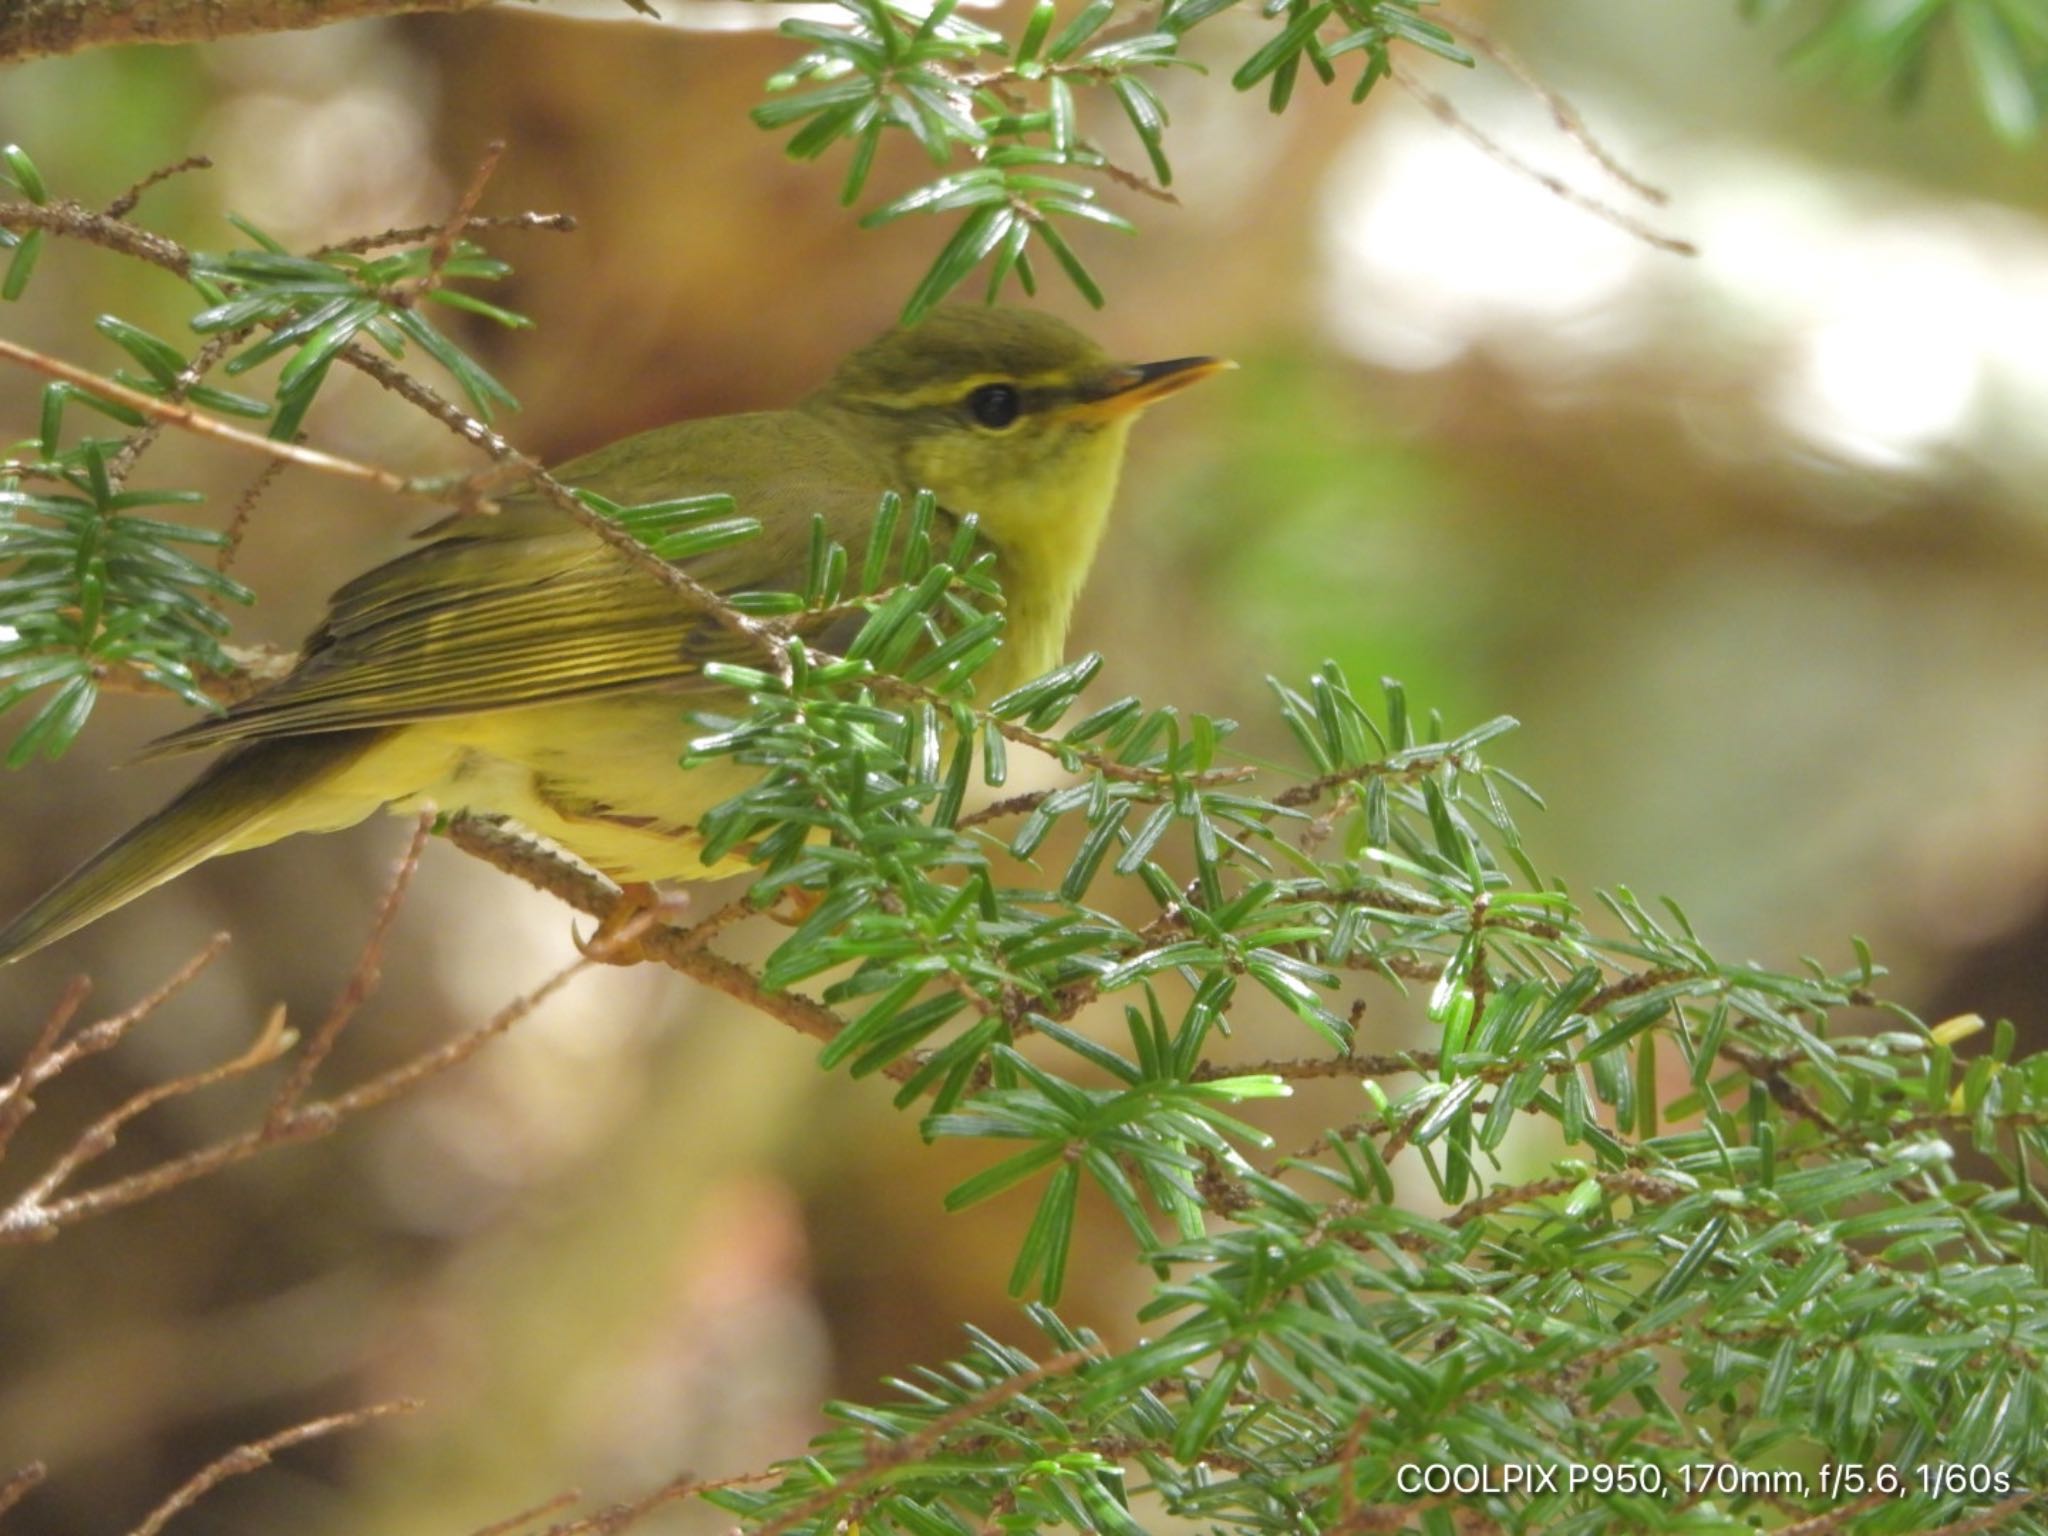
(995, 405)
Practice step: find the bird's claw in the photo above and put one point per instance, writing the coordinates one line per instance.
(793, 904)
(616, 940)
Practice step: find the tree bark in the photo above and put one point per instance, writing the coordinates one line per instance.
(31, 29)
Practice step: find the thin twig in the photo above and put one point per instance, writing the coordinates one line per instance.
(124, 205)
(72, 220)
(885, 1454)
(123, 462)
(1773, 1077)
(245, 508)
(1012, 805)
(307, 1122)
(180, 415)
(1990, 1519)
(683, 950)
(1441, 108)
(526, 1517)
(61, 216)
(362, 981)
(617, 1517)
(409, 1075)
(558, 223)
(16, 1105)
(18, 1483)
(255, 667)
(24, 470)
(1145, 186)
(258, 1453)
(1295, 796)
(100, 1138)
(1562, 112)
(1308, 1068)
(1839, 1518)
(48, 1059)
(1052, 746)
(715, 922)
(1641, 1187)
(446, 236)
(43, 28)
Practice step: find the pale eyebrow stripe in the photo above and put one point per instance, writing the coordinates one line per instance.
(1034, 387)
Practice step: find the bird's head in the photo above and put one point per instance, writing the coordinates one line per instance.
(1006, 413)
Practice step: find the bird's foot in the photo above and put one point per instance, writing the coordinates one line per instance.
(617, 941)
(793, 904)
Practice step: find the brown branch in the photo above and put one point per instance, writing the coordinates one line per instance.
(362, 981)
(61, 216)
(1990, 1519)
(1307, 1068)
(1562, 113)
(28, 1220)
(77, 222)
(258, 1453)
(16, 1105)
(1519, 1194)
(885, 1454)
(1444, 111)
(617, 1517)
(680, 949)
(1784, 1092)
(191, 420)
(256, 667)
(34, 29)
(1311, 790)
(1644, 1188)
(124, 205)
(1143, 185)
(1052, 746)
(1634, 985)
(25, 1213)
(111, 231)
(514, 1523)
(557, 223)
(1397, 1135)
(19, 1483)
(403, 1078)
(245, 508)
(24, 470)
(48, 1059)
(1838, 1519)
(996, 81)
(123, 462)
(1013, 805)
(446, 236)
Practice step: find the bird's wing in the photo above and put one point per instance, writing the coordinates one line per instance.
(526, 607)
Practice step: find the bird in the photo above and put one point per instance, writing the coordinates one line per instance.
(516, 666)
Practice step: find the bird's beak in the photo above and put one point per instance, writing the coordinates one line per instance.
(1124, 390)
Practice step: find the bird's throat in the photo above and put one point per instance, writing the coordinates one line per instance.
(1043, 561)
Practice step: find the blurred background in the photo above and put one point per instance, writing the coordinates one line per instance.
(1752, 543)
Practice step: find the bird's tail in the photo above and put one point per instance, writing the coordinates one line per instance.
(222, 811)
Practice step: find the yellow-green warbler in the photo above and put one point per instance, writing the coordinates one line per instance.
(516, 666)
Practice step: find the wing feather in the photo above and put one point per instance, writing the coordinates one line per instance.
(527, 608)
